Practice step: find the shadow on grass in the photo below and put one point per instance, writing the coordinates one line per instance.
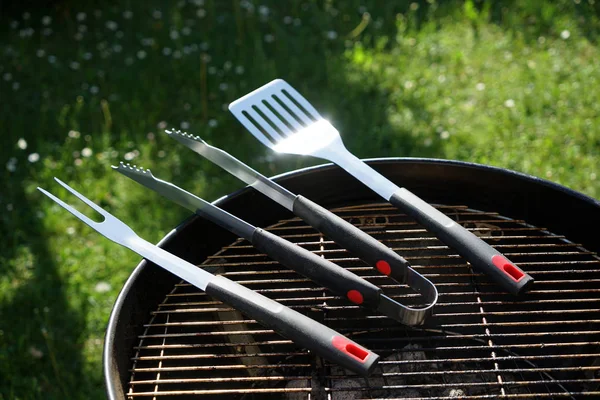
(43, 333)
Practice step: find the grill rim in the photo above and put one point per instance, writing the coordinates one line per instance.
(133, 303)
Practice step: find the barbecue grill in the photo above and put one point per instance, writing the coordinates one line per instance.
(168, 339)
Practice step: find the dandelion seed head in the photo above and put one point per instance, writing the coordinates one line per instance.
(87, 56)
(86, 152)
(239, 69)
(565, 34)
(269, 38)
(94, 89)
(287, 20)
(201, 13)
(71, 231)
(16, 86)
(127, 14)
(40, 53)
(480, 86)
(162, 125)
(141, 54)
(46, 20)
(22, 144)
(7, 76)
(80, 16)
(111, 25)
(33, 158)
(166, 51)
(51, 59)
(174, 35)
(157, 14)
(332, 35)
(74, 65)
(185, 125)
(102, 287)
(223, 86)
(213, 123)
(74, 134)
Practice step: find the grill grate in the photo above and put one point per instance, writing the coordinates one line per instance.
(481, 343)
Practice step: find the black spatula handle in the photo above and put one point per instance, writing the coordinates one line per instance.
(357, 242)
(302, 330)
(337, 279)
(480, 254)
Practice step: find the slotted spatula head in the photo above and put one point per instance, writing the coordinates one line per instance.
(282, 119)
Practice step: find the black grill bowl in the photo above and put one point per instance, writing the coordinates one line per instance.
(538, 202)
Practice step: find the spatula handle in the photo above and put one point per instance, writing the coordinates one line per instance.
(337, 279)
(302, 330)
(480, 254)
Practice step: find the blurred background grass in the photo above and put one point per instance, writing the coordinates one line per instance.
(84, 85)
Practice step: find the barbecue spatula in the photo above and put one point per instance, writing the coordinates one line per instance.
(366, 247)
(302, 330)
(339, 280)
(278, 116)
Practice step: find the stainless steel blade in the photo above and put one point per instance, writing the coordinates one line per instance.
(237, 168)
(187, 200)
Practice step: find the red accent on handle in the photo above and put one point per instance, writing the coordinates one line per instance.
(351, 348)
(383, 267)
(355, 296)
(509, 268)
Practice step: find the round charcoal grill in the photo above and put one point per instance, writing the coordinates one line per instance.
(168, 339)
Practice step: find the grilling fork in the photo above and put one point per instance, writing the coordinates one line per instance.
(339, 280)
(287, 322)
(282, 119)
(366, 247)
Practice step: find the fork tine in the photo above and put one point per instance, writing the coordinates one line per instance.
(70, 209)
(81, 197)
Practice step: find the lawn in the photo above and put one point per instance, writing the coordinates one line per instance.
(512, 84)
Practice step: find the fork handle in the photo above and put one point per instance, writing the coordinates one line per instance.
(480, 254)
(337, 279)
(302, 330)
(357, 242)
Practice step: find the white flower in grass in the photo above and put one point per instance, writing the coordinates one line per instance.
(78, 162)
(162, 125)
(26, 15)
(185, 125)
(269, 38)
(82, 28)
(332, 35)
(71, 231)
(287, 20)
(35, 352)
(510, 103)
(445, 135)
(129, 156)
(127, 14)
(141, 54)
(166, 51)
(78, 36)
(111, 25)
(40, 53)
(227, 66)
(177, 54)
(9, 207)
(11, 165)
(480, 86)
(239, 69)
(94, 89)
(22, 144)
(204, 46)
(199, 3)
(128, 61)
(87, 56)
(51, 59)
(201, 13)
(7, 76)
(74, 134)
(174, 35)
(213, 123)
(212, 70)
(161, 154)
(33, 157)
(117, 48)
(16, 85)
(157, 14)
(264, 11)
(80, 16)
(186, 31)
(565, 34)
(74, 65)
(46, 20)
(223, 86)
(102, 287)
(86, 152)
(14, 24)
(119, 34)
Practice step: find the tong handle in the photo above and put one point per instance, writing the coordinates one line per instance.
(359, 243)
(295, 326)
(337, 279)
(480, 254)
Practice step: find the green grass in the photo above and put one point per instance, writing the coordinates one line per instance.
(511, 85)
